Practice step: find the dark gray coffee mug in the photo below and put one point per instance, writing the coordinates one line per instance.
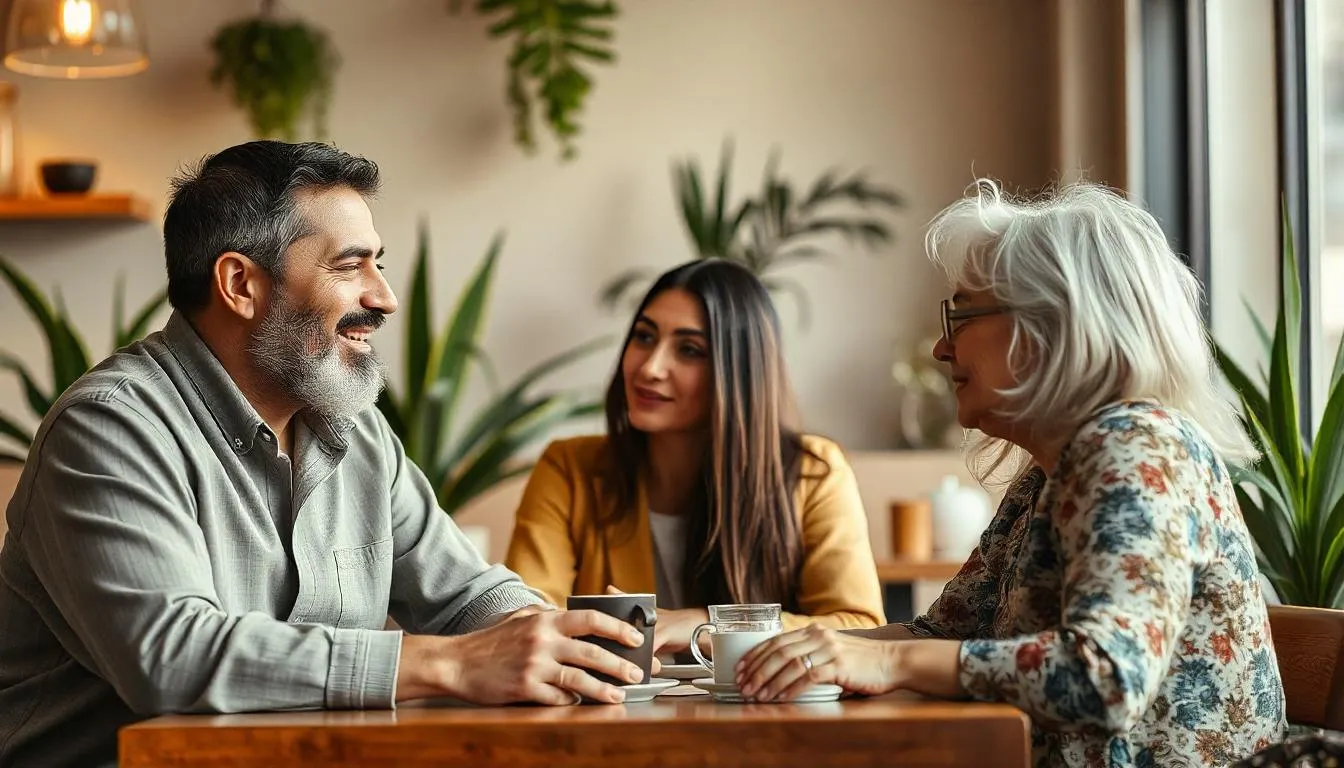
(639, 611)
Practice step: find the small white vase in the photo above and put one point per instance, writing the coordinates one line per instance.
(960, 514)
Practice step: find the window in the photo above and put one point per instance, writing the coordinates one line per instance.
(1329, 171)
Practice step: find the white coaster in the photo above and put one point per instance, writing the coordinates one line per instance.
(646, 691)
(728, 693)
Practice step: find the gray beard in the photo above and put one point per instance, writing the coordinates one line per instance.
(295, 351)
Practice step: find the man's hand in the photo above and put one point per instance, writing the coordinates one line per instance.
(526, 658)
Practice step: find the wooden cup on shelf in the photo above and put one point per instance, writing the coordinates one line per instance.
(912, 529)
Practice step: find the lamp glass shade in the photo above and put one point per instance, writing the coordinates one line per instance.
(74, 39)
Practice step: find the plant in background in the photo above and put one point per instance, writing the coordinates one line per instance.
(280, 72)
(1292, 498)
(69, 355)
(777, 227)
(465, 462)
(551, 39)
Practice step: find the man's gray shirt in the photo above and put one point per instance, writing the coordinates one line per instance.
(164, 556)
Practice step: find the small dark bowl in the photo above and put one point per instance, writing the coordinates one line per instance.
(68, 177)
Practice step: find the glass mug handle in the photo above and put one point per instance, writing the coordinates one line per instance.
(695, 645)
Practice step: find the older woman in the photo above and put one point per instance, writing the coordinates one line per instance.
(1114, 597)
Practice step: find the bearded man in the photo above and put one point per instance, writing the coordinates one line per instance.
(217, 519)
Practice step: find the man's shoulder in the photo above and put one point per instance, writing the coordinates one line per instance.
(133, 376)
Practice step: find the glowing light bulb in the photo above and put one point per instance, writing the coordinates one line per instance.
(77, 21)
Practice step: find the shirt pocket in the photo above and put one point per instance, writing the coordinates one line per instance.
(364, 575)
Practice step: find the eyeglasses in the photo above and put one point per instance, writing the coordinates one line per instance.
(952, 315)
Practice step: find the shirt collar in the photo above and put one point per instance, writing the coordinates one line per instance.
(237, 420)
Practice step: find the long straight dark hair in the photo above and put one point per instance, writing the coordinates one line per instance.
(743, 542)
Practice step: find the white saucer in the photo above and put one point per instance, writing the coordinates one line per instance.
(646, 691)
(728, 693)
(683, 671)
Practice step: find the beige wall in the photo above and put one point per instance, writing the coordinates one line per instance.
(923, 93)
(1091, 107)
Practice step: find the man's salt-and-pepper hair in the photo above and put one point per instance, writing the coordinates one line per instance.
(1102, 310)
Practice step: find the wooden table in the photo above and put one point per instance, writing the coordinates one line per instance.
(670, 732)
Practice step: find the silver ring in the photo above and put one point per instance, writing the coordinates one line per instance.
(807, 661)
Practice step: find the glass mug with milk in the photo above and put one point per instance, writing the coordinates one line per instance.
(734, 630)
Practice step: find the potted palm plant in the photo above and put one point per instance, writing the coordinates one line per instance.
(1292, 498)
(777, 227)
(464, 460)
(66, 349)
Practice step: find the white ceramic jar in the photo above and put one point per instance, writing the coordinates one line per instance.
(960, 514)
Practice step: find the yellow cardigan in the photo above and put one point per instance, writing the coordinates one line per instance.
(557, 549)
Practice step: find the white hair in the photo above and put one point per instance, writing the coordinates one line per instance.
(1106, 309)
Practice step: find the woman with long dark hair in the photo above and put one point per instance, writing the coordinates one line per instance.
(701, 491)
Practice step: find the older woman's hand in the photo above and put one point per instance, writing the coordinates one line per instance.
(783, 667)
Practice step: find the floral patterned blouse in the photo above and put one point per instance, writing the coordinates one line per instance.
(1117, 603)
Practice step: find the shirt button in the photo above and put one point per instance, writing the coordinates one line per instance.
(238, 443)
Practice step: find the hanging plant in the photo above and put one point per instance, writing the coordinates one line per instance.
(551, 39)
(280, 72)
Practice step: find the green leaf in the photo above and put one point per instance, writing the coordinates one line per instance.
(719, 227)
(451, 357)
(118, 311)
(10, 429)
(387, 405)
(1338, 374)
(492, 464)
(72, 354)
(37, 401)
(419, 334)
(62, 358)
(139, 325)
(511, 406)
(1284, 423)
(1272, 524)
(589, 52)
(1273, 546)
(1332, 570)
(1325, 474)
(1282, 476)
(1241, 383)
(616, 289)
(595, 33)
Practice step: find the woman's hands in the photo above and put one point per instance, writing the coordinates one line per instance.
(786, 665)
(672, 633)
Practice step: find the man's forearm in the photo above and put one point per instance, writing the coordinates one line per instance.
(886, 632)
(421, 673)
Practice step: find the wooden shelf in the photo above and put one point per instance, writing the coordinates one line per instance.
(900, 570)
(108, 207)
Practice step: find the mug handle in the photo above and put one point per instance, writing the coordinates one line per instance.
(695, 645)
(644, 616)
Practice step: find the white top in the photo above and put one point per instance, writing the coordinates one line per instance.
(669, 557)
